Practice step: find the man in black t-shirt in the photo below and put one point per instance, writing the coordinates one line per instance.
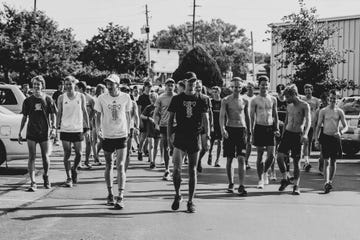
(40, 110)
(143, 102)
(190, 111)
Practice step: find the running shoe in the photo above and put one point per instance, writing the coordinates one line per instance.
(307, 167)
(209, 162)
(110, 200)
(186, 160)
(266, 179)
(119, 204)
(327, 188)
(140, 157)
(248, 166)
(68, 183)
(217, 164)
(88, 165)
(191, 207)
(273, 176)
(97, 163)
(260, 184)
(242, 191)
(296, 190)
(47, 183)
(230, 188)
(176, 203)
(152, 165)
(74, 175)
(167, 176)
(32, 188)
(284, 183)
(199, 168)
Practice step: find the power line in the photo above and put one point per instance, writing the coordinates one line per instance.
(193, 25)
(147, 30)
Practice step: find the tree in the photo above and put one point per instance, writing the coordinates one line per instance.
(303, 38)
(226, 43)
(114, 49)
(31, 44)
(202, 64)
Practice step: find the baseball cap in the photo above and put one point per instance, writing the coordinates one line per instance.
(190, 77)
(113, 78)
(169, 80)
(147, 84)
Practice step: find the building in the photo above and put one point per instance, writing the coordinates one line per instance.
(349, 32)
(259, 71)
(164, 62)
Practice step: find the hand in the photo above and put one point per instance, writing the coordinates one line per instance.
(99, 133)
(212, 129)
(151, 120)
(136, 131)
(225, 134)
(277, 133)
(317, 144)
(52, 133)
(337, 135)
(87, 133)
(157, 127)
(20, 138)
(304, 139)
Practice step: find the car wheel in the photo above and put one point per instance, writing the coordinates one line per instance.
(2, 153)
(350, 149)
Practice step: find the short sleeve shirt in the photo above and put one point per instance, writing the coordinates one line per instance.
(144, 100)
(216, 105)
(113, 114)
(149, 112)
(163, 103)
(38, 111)
(188, 111)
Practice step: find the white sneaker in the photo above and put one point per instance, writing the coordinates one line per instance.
(273, 176)
(265, 178)
(260, 185)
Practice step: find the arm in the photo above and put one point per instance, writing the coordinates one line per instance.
(211, 117)
(222, 118)
(307, 115)
(85, 113)
(156, 115)
(59, 113)
(23, 121)
(135, 115)
(247, 117)
(170, 125)
(252, 114)
(275, 115)
(320, 120)
(343, 122)
(92, 110)
(206, 121)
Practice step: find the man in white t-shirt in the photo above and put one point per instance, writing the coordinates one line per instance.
(113, 122)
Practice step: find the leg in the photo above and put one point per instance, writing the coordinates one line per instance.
(332, 168)
(87, 149)
(166, 151)
(128, 149)
(31, 161)
(269, 158)
(121, 175)
(212, 141)
(192, 174)
(150, 150)
(155, 150)
(218, 151)
(204, 149)
(259, 162)
(230, 170)
(67, 153)
(94, 145)
(109, 175)
(296, 171)
(178, 156)
(241, 169)
(77, 146)
(44, 146)
(141, 145)
(247, 154)
(281, 163)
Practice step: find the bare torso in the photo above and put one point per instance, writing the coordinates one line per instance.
(264, 109)
(331, 120)
(296, 116)
(235, 115)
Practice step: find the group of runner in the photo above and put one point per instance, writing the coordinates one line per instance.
(185, 125)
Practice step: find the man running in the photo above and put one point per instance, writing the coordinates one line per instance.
(190, 111)
(234, 109)
(249, 96)
(314, 104)
(113, 123)
(264, 126)
(89, 141)
(73, 122)
(40, 110)
(204, 137)
(297, 124)
(216, 131)
(330, 139)
(161, 118)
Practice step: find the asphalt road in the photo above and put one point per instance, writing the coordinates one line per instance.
(81, 213)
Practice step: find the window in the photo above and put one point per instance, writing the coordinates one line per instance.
(7, 97)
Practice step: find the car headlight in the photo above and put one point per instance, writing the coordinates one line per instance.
(5, 131)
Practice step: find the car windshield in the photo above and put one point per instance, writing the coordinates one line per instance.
(350, 106)
(6, 111)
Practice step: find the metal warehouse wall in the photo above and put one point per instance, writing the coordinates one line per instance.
(349, 30)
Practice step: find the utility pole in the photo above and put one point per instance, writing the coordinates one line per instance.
(147, 30)
(253, 57)
(193, 25)
(34, 5)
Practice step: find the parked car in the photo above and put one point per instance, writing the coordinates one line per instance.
(10, 149)
(11, 97)
(351, 139)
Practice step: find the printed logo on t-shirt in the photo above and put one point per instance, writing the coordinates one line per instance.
(37, 106)
(115, 109)
(189, 108)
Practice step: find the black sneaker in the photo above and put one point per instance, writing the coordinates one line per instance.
(47, 184)
(191, 207)
(32, 188)
(119, 204)
(209, 162)
(284, 183)
(176, 203)
(199, 168)
(327, 188)
(217, 164)
(152, 165)
(140, 157)
(307, 167)
(242, 191)
(88, 165)
(230, 188)
(186, 160)
(110, 200)
(166, 176)
(296, 190)
(248, 167)
(74, 175)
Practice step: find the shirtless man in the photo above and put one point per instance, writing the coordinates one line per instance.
(234, 108)
(264, 126)
(330, 139)
(216, 132)
(297, 124)
(314, 104)
(249, 96)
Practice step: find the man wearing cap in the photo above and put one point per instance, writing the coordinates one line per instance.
(235, 126)
(143, 102)
(190, 111)
(73, 122)
(113, 123)
(161, 118)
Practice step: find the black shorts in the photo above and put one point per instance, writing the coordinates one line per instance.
(153, 133)
(38, 139)
(264, 136)
(278, 139)
(236, 142)
(112, 144)
(291, 141)
(163, 130)
(330, 146)
(72, 137)
(187, 143)
(216, 134)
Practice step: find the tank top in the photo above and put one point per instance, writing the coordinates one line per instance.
(72, 114)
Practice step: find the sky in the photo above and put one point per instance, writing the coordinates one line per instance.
(86, 16)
